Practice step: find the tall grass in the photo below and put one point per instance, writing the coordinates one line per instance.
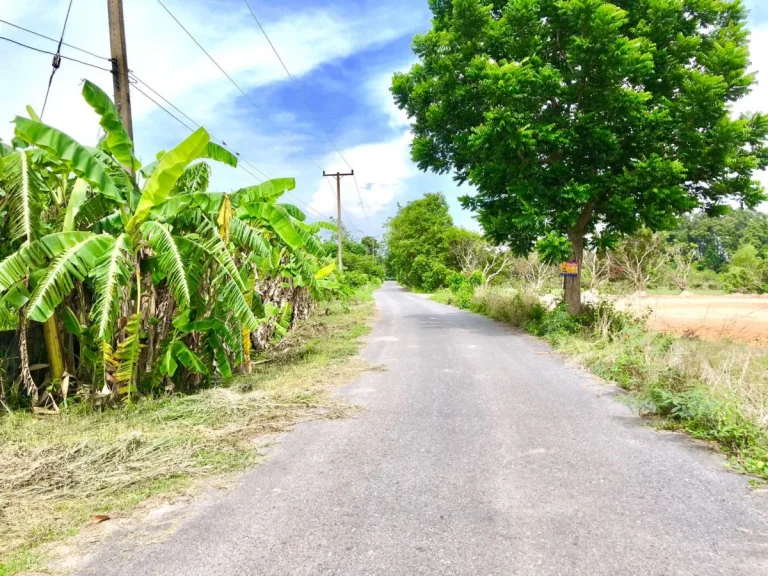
(716, 391)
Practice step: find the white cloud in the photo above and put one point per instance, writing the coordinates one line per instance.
(162, 55)
(382, 170)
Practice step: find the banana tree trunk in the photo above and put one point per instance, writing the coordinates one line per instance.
(54, 348)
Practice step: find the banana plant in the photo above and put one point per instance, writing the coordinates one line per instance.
(111, 261)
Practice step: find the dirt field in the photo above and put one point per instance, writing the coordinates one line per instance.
(734, 317)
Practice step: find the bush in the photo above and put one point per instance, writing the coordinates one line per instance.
(510, 306)
(476, 278)
(554, 323)
(706, 280)
(428, 274)
(464, 296)
(355, 278)
(741, 280)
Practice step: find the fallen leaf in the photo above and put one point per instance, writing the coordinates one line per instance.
(99, 518)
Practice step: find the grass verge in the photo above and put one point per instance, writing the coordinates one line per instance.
(59, 471)
(715, 391)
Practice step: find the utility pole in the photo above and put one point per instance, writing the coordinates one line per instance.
(120, 63)
(338, 177)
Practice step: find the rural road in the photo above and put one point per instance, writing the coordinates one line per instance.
(479, 452)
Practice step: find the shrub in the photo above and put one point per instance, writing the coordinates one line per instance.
(706, 279)
(355, 278)
(742, 280)
(464, 296)
(510, 306)
(476, 278)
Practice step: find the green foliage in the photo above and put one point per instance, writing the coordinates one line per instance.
(418, 240)
(718, 238)
(584, 117)
(154, 295)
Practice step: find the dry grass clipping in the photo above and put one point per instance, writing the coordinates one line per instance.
(59, 471)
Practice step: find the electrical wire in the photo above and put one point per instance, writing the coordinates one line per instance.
(135, 80)
(241, 160)
(54, 54)
(307, 104)
(56, 59)
(236, 85)
(84, 51)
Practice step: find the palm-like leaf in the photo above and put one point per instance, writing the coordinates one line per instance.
(118, 141)
(293, 210)
(231, 295)
(212, 244)
(169, 259)
(77, 198)
(127, 355)
(268, 191)
(77, 157)
(283, 323)
(195, 178)
(111, 273)
(25, 189)
(70, 265)
(16, 266)
(248, 237)
(167, 172)
(93, 210)
(220, 154)
(274, 216)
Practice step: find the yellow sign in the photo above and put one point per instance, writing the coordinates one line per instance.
(569, 269)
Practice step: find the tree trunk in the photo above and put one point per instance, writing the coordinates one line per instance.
(54, 348)
(572, 284)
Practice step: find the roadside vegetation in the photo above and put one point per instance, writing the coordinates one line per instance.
(60, 471)
(150, 328)
(716, 391)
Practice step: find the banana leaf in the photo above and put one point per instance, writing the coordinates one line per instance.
(79, 159)
(168, 170)
(118, 141)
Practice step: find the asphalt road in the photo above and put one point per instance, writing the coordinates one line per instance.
(479, 452)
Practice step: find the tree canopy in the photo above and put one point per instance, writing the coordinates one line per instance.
(586, 117)
(418, 239)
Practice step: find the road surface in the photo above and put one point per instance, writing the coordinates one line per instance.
(479, 452)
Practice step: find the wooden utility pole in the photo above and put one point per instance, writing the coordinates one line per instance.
(120, 63)
(338, 177)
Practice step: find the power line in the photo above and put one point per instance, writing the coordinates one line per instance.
(163, 108)
(56, 59)
(241, 160)
(236, 85)
(84, 51)
(362, 205)
(136, 80)
(306, 103)
(160, 96)
(54, 54)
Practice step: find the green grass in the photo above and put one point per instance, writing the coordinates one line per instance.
(715, 391)
(59, 471)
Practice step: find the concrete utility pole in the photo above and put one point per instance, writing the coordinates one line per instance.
(120, 63)
(338, 177)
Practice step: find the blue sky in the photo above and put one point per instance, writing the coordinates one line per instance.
(341, 53)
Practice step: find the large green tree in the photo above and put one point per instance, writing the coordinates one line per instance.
(418, 242)
(583, 119)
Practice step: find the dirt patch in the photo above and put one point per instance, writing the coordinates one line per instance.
(740, 318)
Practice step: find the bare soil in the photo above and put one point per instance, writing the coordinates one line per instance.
(734, 317)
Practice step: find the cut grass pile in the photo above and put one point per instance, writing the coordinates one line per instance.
(59, 471)
(715, 391)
